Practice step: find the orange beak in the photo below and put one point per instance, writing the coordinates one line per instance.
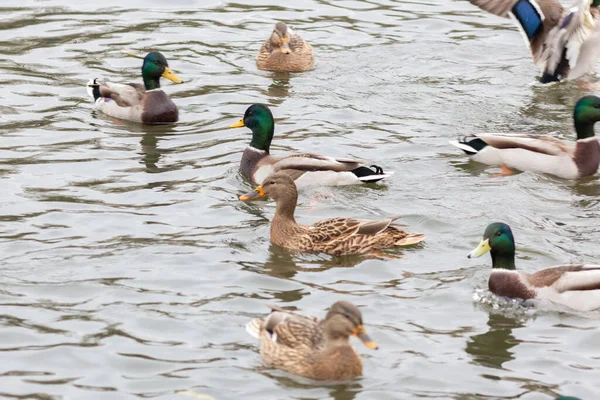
(256, 194)
(285, 46)
(361, 334)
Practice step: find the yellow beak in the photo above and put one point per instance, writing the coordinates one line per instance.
(171, 76)
(238, 124)
(484, 247)
(361, 334)
(285, 46)
(257, 194)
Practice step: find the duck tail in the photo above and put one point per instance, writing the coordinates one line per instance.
(411, 238)
(93, 88)
(469, 144)
(371, 174)
(253, 327)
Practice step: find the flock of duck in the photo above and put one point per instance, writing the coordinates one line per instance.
(564, 41)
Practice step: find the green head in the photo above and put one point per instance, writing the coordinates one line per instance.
(596, 3)
(585, 115)
(155, 65)
(499, 241)
(259, 119)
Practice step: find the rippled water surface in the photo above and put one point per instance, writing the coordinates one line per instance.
(129, 267)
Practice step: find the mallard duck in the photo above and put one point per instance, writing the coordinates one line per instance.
(285, 51)
(307, 169)
(335, 236)
(145, 103)
(574, 285)
(543, 154)
(309, 347)
(565, 42)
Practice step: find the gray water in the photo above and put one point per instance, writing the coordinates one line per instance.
(129, 267)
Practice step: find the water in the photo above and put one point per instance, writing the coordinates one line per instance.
(129, 267)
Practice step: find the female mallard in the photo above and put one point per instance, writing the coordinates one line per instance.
(543, 154)
(565, 42)
(335, 236)
(309, 347)
(307, 169)
(285, 51)
(145, 103)
(574, 285)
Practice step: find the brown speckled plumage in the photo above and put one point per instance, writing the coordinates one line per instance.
(335, 236)
(310, 347)
(270, 57)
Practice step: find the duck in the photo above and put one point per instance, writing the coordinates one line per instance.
(285, 51)
(306, 169)
(310, 347)
(542, 154)
(147, 103)
(564, 41)
(574, 285)
(334, 236)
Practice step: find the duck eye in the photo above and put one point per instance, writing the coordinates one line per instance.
(272, 183)
(498, 233)
(597, 105)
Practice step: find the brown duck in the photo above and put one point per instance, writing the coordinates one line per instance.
(285, 51)
(574, 285)
(310, 347)
(335, 236)
(146, 103)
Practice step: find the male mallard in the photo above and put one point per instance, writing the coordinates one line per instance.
(565, 42)
(543, 154)
(307, 169)
(335, 236)
(145, 103)
(574, 285)
(309, 347)
(285, 51)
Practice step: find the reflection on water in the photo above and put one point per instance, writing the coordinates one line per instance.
(279, 90)
(492, 348)
(130, 267)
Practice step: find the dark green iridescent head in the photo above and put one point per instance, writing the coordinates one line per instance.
(585, 115)
(259, 119)
(499, 241)
(155, 65)
(596, 3)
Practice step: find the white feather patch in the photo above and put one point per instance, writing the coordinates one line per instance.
(253, 327)
(582, 300)
(575, 279)
(462, 146)
(327, 178)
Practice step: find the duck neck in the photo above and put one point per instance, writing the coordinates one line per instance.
(151, 83)
(334, 337)
(503, 260)
(262, 134)
(584, 129)
(286, 206)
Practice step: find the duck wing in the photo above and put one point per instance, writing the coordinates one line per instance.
(125, 95)
(565, 42)
(564, 278)
(314, 162)
(293, 329)
(472, 144)
(335, 228)
(536, 19)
